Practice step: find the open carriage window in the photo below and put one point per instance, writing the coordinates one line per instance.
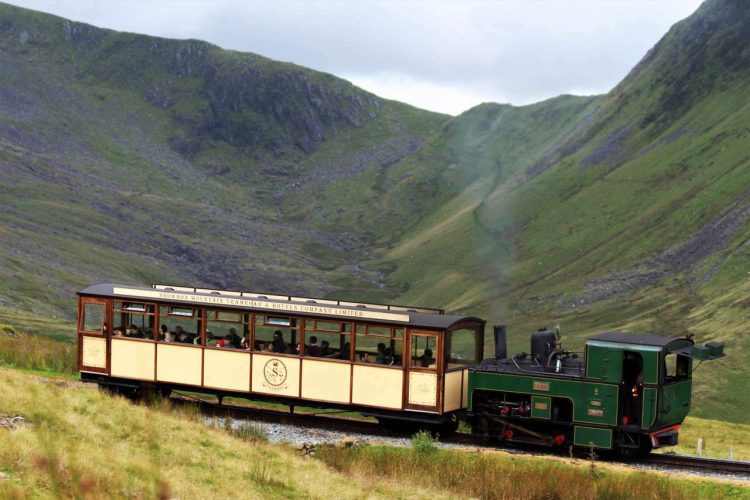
(424, 351)
(277, 334)
(228, 330)
(327, 339)
(381, 345)
(133, 320)
(180, 324)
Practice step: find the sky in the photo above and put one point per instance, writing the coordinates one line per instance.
(439, 55)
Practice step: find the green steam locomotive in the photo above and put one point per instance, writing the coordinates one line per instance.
(627, 393)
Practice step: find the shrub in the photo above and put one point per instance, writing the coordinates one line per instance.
(424, 443)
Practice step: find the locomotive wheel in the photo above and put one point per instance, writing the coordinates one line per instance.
(645, 447)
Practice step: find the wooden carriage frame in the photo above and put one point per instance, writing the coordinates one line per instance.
(403, 391)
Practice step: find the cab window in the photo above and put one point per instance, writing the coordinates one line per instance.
(677, 367)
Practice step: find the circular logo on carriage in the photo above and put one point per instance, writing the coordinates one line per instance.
(275, 372)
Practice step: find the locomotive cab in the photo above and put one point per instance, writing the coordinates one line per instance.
(629, 392)
(654, 375)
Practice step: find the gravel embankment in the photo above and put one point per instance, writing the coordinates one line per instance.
(298, 436)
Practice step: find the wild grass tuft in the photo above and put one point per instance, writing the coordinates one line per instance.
(494, 475)
(38, 353)
(252, 432)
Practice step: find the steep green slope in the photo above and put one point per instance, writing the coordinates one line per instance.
(630, 211)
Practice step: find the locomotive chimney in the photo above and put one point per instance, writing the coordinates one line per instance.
(501, 347)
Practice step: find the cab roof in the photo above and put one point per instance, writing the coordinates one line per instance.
(392, 315)
(634, 338)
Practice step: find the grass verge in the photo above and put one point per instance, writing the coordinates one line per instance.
(497, 475)
(37, 353)
(76, 441)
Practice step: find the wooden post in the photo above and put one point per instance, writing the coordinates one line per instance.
(730, 456)
(700, 447)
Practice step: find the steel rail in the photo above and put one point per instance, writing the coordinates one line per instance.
(700, 463)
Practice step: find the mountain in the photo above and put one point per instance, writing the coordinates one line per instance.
(135, 159)
(174, 160)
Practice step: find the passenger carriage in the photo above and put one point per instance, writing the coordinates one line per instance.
(392, 362)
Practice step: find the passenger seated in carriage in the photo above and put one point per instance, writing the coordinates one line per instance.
(314, 349)
(278, 345)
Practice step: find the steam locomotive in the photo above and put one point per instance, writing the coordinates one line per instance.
(626, 392)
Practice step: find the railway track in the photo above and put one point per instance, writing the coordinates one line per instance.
(699, 463)
(335, 422)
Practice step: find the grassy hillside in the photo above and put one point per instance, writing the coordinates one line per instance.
(61, 439)
(75, 441)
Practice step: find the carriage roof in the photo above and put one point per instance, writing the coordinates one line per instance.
(414, 317)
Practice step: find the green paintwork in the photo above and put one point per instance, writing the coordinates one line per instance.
(587, 436)
(648, 414)
(604, 361)
(541, 407)
(580, 392)
(674, 403)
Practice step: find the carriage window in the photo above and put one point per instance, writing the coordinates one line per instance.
(276, 334)
(377, 344)
(229, 316)
(133, 320)
(424, 351)
(93, 318)
(270, 320)
(179, 324)
(129, 306)
(327, 339)
(227, 330)
(461, 347)
(181, 311)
